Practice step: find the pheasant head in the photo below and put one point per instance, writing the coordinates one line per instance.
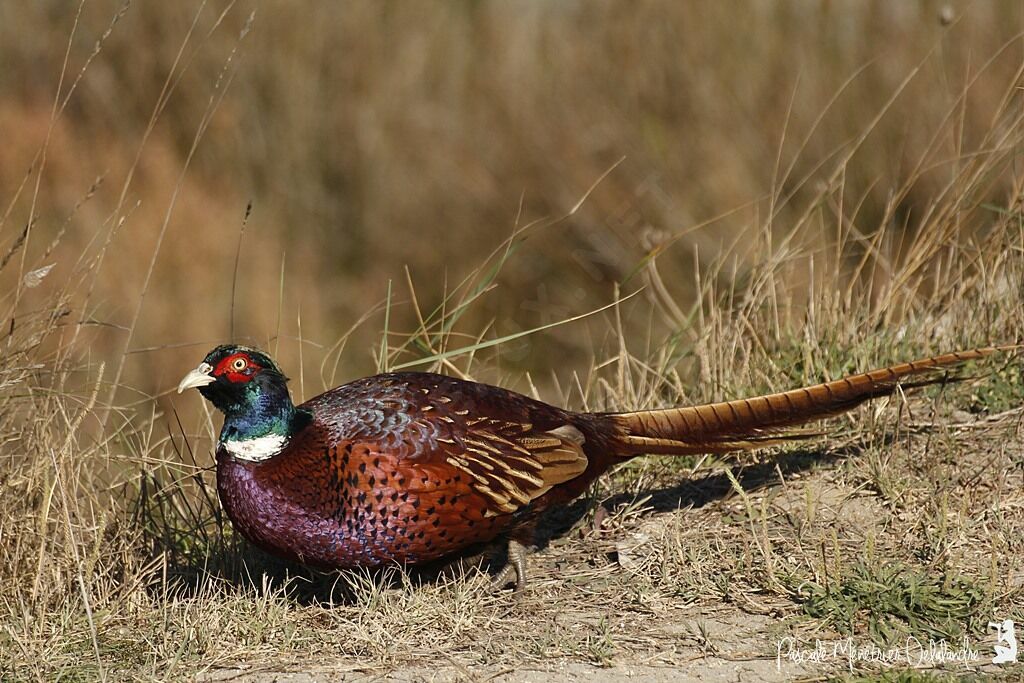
(252, 392)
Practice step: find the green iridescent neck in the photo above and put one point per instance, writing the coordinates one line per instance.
(262, 409)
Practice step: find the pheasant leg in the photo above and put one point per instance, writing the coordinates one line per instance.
(516, 565)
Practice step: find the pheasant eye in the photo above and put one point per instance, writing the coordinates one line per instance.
(238, 364)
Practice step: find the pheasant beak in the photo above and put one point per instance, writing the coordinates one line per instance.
(199, 377)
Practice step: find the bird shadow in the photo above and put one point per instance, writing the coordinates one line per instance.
(235, 562)
(694, 492)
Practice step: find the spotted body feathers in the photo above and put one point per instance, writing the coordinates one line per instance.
(407, 468)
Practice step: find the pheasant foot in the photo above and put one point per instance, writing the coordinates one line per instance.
(516, 566)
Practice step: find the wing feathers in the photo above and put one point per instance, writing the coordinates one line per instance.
(512, 470)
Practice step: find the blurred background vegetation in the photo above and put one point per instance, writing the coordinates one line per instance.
(374, 136)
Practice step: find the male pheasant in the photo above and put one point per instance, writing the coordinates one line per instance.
(412, 467)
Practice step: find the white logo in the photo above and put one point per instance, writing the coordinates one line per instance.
(1006, 641)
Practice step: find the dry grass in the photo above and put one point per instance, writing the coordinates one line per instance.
(866, 216)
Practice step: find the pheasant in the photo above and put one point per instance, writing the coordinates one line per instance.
(413, 467)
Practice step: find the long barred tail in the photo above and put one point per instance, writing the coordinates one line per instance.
(749, 423)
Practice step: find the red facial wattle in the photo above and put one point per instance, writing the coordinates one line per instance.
(236, 368)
